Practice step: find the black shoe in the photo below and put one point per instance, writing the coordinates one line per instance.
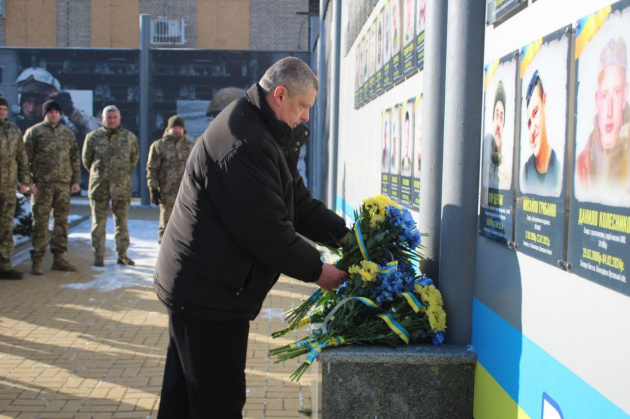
(98, 261)
(10, 274)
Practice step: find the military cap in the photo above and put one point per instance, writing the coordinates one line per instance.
(50, 105)
(614, 52)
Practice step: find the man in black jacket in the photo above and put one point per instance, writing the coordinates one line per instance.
(233, 231)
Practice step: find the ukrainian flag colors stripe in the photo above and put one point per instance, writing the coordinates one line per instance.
(491, 401)
(525, 371)
(588, 27)
(413, 301)
(360, 241)
(527, 55)
(393, 324)
(489, 70)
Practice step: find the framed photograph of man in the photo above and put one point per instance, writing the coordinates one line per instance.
(406, 153)
(394, 162)
(499, 118)
(410, 57)
(540, 209)
(420, 14)
(379, 53)
(357, 77)
(417, 150)
(366, 68)
(599, 219)
(379, 39)
(602, 128)
(497, 149)
(396, 34)
(371, 35)
(387, 47)
(385, 150)
(544, 90)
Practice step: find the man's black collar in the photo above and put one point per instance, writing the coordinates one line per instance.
(279, 129)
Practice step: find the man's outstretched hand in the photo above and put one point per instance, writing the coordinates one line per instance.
(331, 277)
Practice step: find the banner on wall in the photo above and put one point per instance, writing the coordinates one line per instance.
(540, 209)
(379, 54)
(386, 150)
(357, 77)
(388, 82)
(496, 210)
(420, 13)
(410, 55)
(406, 153)
(417, 151)
(396, 34)
(599, 222)
(394, 162)
(371, 53)
(498, 11)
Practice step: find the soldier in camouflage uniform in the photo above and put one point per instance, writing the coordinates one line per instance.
(53, 156)
(110, 154)
(13, 166)
(165, 168)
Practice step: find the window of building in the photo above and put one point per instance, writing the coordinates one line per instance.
(166, 31)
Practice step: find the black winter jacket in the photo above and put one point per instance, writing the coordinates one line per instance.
(240, 205)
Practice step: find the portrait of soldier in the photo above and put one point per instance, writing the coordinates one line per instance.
(379, 44)
(417, 139)
(385, 156)
(408, 21)
(542, 170)
(496, 168)
(602, 165)
(406, 152)
(387, 42)
(420, 13)
(395, 27)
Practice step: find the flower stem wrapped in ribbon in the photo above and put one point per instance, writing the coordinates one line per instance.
(384, 301)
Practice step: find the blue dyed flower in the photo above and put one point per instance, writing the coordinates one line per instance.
(425, 281)
(438, 338)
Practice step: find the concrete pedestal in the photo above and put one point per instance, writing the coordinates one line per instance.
(415, 381)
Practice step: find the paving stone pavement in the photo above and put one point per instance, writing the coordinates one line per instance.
(92, 343)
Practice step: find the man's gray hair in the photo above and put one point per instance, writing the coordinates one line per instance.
(290, 72)
(109, 108)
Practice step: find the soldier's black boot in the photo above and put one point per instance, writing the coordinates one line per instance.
(37, 263)
(99, 260)
(10, 274)
(60, 264)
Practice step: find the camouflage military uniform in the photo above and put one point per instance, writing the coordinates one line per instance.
(165, 168)
(13, 166)
(54, 163)
(110, 155)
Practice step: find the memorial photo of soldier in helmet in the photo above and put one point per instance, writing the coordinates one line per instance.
(36, 85)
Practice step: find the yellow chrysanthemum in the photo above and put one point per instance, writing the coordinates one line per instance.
(430, 295)
(437, 318)
(376, 208)
(368, 270)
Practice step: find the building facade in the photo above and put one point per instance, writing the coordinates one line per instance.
(270, 25)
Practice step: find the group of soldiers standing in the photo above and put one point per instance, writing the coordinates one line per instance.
(45, 161)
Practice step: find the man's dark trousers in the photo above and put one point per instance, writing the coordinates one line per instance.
(204, 376)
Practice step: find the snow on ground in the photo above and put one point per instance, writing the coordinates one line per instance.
(143, 250)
